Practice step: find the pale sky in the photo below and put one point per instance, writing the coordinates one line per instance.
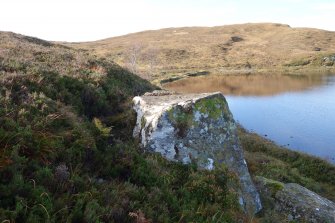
(86, 20)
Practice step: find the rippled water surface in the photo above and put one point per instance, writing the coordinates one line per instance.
(295, 111)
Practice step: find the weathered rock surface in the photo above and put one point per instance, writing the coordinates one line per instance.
(303, 204)
(195, 127)
(296, 203)
(328, 61)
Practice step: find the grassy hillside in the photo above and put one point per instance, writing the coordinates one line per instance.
(66, 150)
(67, 154)
(226, 49)
(271, 161)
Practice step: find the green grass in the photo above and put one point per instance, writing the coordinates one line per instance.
(66, 147)
(266, 159)
(67, 152)
(280, 165)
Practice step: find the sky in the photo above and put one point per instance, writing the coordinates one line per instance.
(88, 20)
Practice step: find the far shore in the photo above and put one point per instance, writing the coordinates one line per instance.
(178, 74)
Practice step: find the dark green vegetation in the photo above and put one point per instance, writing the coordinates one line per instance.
(67, 155)
(268, 160)
(66, 151)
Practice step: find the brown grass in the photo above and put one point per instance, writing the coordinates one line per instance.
(224, 49)
(25, 56)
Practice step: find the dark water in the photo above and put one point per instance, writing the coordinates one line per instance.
(294, 111)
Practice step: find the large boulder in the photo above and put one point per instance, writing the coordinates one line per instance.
(304, 205)
(198, 128)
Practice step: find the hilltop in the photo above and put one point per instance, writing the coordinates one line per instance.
(242, 48)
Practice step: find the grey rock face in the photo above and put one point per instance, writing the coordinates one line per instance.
(328, 61)
(196, 127)
(304, 205)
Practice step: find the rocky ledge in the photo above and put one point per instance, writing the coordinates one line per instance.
(195, 128)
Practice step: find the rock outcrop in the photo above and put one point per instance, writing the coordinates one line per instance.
(302, 204)
(195, 127)
(328, 61)
(296, 203)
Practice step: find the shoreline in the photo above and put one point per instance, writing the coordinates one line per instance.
(175, 75)
(267, 159)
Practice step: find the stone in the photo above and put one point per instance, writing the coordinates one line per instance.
(158, 93)
(236, 38)
(328, 61)
(62, 173)
(268, 186)
(197, 73)
(100, 181)
(295, 202)
(290, 218)
(195, 127)
(304, 205)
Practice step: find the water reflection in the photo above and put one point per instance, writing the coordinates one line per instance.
(295, 111)
(246, 84)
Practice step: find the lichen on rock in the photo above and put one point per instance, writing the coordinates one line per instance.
(195, 128)
(295, 203)
(303, 205)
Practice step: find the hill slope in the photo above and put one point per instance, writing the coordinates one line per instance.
(232, 48)
(67, 152)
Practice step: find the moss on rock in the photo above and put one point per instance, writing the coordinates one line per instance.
(196, 128)
(272, 186)
(214, 107)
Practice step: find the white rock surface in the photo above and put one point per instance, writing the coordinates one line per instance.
(196, 127)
